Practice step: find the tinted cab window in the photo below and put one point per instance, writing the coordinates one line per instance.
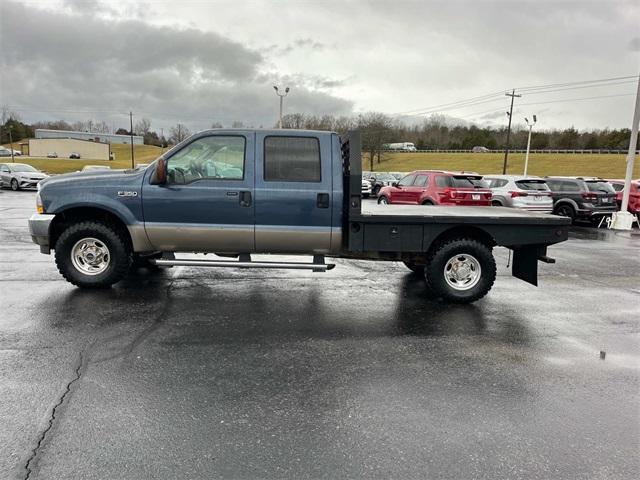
(291, 159)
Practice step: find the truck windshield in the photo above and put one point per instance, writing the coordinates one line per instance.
(595, 186)
(532, 184)
(465, 181)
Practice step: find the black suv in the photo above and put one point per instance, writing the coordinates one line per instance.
(379, 180)
(582, 198)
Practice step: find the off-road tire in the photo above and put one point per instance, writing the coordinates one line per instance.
(119, 254)
(442, 253)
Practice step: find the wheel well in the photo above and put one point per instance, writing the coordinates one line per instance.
(461, 231)
(79, 214)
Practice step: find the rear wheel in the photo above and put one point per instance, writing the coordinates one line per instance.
(92, 255)
(496, 203)
(427, 202)
(14, 185)
(566, 210)
(382, 200)
(461, 270)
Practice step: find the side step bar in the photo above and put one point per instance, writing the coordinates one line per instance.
(318, 264)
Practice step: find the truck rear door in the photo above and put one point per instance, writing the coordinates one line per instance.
(293, 192)
(207, 203)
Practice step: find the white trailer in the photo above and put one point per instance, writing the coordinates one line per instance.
(404, 146)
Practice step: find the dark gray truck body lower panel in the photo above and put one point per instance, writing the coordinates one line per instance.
(403, 231)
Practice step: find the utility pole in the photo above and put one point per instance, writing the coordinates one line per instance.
(526, 157)
(11, 143)
(509, 114)
(623, 220)
(281, 95)
(131, 133)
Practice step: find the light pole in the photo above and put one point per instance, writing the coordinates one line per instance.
(11, 143)
(623, 220)
(281, 95)
(526, 157)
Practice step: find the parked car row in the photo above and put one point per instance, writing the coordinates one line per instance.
(579, 198)
(6, 152)
(18, 176)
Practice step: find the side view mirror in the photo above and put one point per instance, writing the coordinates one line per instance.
(394, 184)
(159, 176)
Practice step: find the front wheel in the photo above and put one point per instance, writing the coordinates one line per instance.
(382, 200)
(461, 270)
(92, 255)
(14, 185)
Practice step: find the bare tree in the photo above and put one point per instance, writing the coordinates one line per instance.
(237, 124)
(216, 125)
(142, 127)
(101, 127)
(178, 133)
(376, 130)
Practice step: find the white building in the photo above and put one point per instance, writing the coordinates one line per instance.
(91, 136)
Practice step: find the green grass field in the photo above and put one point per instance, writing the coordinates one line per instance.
(596, 165)
(142, 154)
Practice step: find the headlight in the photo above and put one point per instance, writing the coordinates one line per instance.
(39, 206)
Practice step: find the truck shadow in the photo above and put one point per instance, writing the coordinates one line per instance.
(230, 309)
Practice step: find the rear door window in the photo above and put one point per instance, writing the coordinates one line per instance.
(291, 159)
(568, 186)
(532, 184)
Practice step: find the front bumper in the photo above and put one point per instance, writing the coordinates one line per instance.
(39, 229)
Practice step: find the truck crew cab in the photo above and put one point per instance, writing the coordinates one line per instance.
(239, 192)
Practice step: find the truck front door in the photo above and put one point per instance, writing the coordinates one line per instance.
(207, 203)
(293, 191)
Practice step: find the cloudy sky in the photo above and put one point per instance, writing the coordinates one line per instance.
(203, 61)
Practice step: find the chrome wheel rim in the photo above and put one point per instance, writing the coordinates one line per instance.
(462, 272)
(384, 201)
(90, 256)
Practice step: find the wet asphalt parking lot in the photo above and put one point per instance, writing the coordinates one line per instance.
(353, 373)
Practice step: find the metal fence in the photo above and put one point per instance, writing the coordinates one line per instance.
(601, 151)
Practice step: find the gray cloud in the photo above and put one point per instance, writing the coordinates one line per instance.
(634, 44)
(74, 61)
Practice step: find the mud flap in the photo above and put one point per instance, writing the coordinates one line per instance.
(525, 262)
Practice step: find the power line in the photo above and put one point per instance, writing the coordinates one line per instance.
(530, 90)
(550, 101)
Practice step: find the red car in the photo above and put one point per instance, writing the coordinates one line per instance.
(434, 187)
(634, 194)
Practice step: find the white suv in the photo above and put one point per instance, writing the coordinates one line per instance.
(517, 191)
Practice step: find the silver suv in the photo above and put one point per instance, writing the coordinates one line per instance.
(517, 191)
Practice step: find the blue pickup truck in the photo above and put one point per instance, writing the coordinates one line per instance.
(238, 192)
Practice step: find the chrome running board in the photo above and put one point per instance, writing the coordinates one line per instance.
(318, 264)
